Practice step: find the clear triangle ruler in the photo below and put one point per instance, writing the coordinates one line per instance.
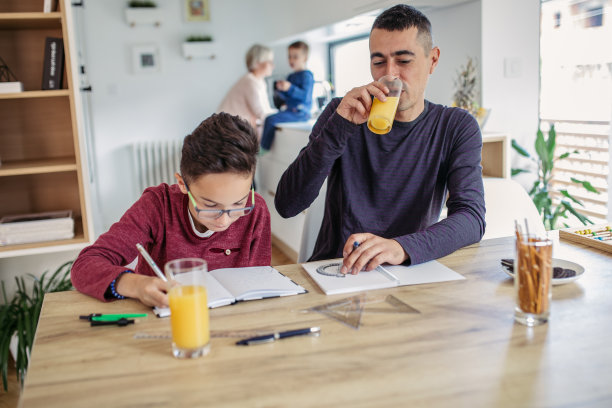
(397, 306)
(349, 310)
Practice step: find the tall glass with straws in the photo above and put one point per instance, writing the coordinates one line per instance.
(532, 281)
(188, 307)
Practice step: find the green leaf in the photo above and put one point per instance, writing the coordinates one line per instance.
(21, 362)
(514, 172)
(534, 189)
(542, 201)
(28, 333)
(568, 195)
(563, 156)
(584, 220)
(7, 328)
(4, 359)
(6, 301)
(519, 149)
(551, 143)
(542, 151)
(587, 185)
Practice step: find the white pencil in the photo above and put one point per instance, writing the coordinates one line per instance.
(151, 262)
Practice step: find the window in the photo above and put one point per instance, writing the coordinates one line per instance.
(576, 95)
(349, 64)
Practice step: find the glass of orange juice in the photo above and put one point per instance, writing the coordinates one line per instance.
(188, 307)
(382, 114)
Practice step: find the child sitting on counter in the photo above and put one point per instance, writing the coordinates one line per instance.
(296, 91)
(211, 213)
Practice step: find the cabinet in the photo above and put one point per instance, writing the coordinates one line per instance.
(495, 155)
(290, 138)
(41, 166)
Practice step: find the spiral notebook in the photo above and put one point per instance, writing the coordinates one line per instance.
(230, 285)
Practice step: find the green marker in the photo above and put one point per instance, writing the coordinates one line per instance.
(115, 317)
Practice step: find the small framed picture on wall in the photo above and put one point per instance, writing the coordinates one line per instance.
(197, 10)
(145, 58)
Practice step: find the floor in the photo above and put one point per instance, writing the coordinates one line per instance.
(9, 399)
(279, 257)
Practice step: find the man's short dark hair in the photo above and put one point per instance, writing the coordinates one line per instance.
(223, 143)
(402, 17)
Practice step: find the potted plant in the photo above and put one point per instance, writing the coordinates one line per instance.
(19, 317)
(541, 191)
(465, 96)
(198, 46)
(143, 12)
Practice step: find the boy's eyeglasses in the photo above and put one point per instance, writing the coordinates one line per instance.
(214, 214)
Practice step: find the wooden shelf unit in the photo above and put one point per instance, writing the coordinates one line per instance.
(36, 94)
(41, 168)
(495, 155)
(30, 20)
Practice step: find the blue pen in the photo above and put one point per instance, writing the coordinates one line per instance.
(279, 335)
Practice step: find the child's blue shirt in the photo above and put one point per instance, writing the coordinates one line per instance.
(299, 95)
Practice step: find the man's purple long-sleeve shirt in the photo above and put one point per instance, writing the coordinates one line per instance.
(392, 185)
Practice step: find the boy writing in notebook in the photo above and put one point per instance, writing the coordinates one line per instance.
(211, 213)
(296, 91)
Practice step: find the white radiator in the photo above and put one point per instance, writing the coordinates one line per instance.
(156, 162)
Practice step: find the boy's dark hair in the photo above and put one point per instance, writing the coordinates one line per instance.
(223, 143)
(402, 17)
(300, 45)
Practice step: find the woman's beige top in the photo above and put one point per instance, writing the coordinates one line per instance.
(248, 98)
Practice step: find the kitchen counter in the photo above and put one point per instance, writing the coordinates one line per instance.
(305, 126)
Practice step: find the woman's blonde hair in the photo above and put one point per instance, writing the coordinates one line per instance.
(257, 54)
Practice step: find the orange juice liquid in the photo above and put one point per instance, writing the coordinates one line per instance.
(189, 316)
(382, 115)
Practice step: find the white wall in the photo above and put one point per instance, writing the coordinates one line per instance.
(128, 107)
(456, 31)
(511, 35)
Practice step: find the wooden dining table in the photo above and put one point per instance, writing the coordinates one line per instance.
(457, 345)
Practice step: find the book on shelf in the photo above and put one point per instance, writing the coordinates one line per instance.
(53, 63)
(230, 285)
(11, 87)
(36, 227)
(326, 275)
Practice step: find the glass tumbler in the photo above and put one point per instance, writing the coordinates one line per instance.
(382, 114)
(532, 279)
(188, 307)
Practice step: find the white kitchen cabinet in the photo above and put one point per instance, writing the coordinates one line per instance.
(290, 138)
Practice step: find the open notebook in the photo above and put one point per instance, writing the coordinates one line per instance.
(230, 285)
(387, 276)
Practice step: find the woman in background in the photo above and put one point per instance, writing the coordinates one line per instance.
(248, 98)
